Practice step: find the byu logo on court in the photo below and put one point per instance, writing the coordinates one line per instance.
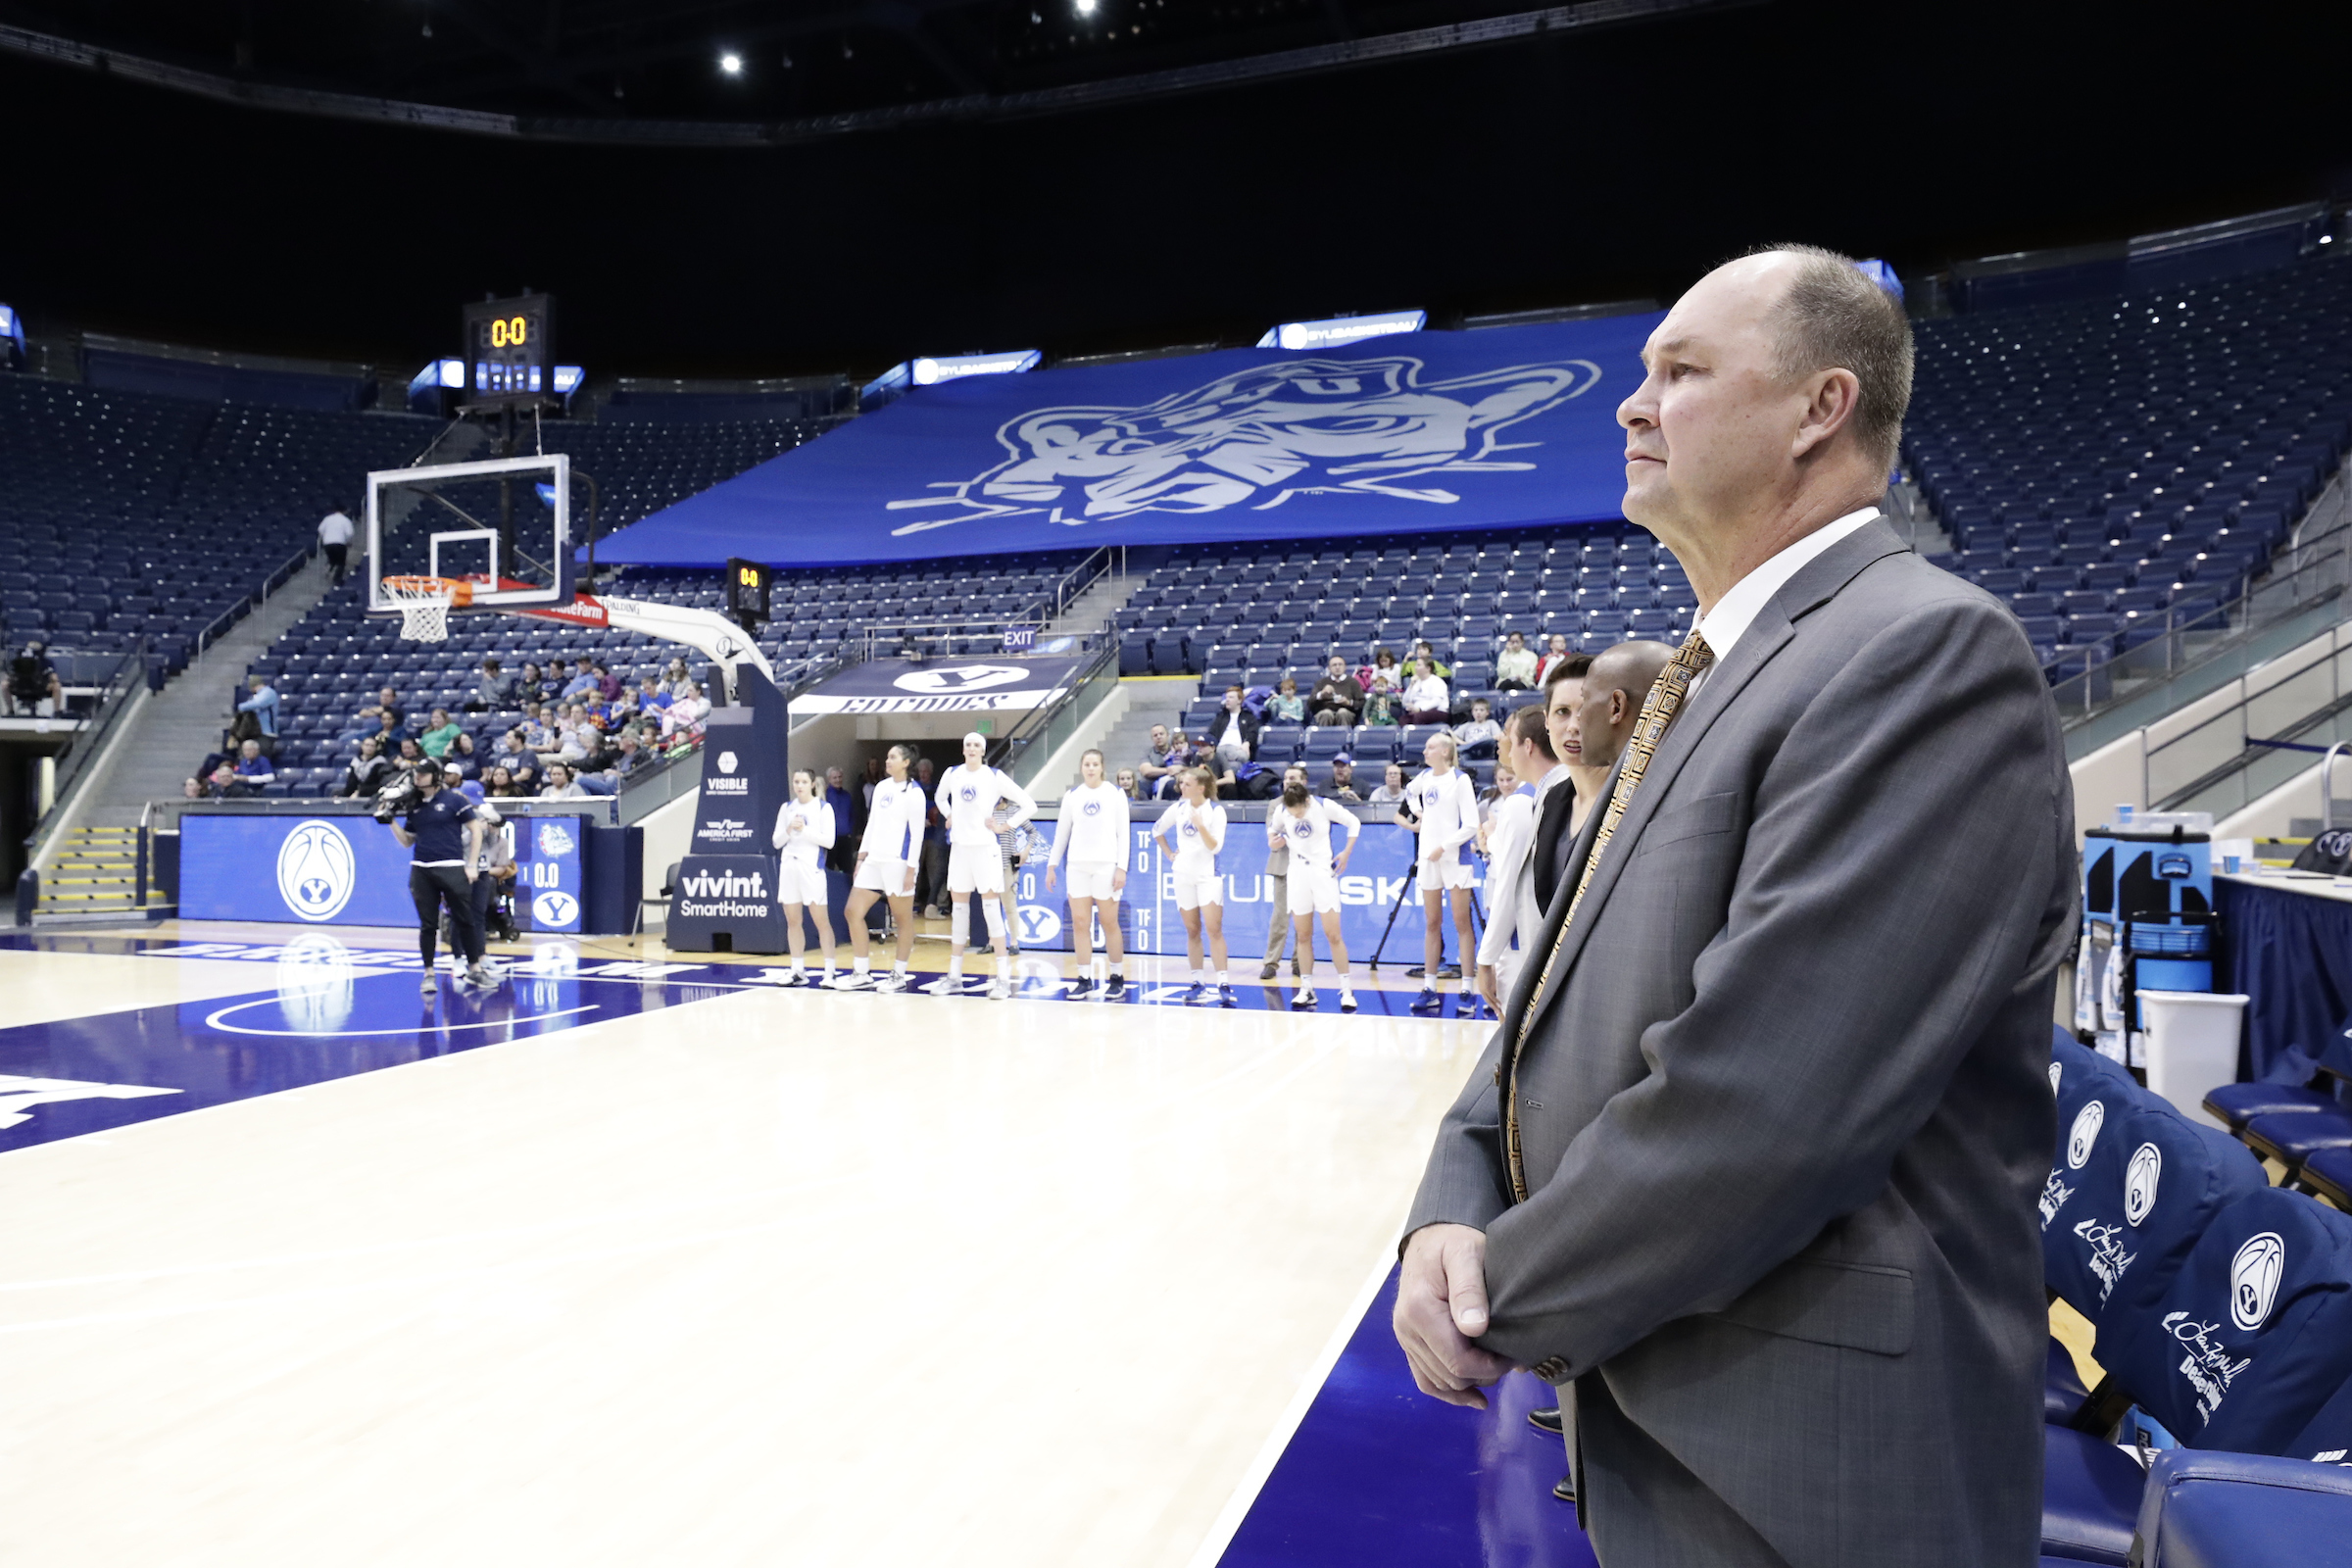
(727, 761)
(554, 838)
(2085, 1133)
(1038, 923)
(964, 678)
(2140, 1182)
(1257, 437)
(2254, 1279)
(316, 871)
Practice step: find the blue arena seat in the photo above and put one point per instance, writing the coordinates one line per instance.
(2238, 1510)
(2090, 1496)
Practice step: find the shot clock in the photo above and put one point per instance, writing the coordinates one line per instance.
(747, 592)
(509, 357)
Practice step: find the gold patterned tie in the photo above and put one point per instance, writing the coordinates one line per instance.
(1658, 709)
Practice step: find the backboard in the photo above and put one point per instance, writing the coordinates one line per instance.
(504, 525)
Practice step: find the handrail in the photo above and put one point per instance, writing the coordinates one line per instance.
(2327, 787)
(115, 693)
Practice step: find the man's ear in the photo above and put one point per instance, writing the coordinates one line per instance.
(1835, 395)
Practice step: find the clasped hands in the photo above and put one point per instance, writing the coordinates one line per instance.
(1442, 1309)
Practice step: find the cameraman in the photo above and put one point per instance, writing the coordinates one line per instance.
(445, 833)
(32, 684)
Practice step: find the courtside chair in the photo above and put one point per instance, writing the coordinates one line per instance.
(2091, 1498)
(2221, 1510)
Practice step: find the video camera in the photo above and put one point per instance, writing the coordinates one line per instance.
(396, 798)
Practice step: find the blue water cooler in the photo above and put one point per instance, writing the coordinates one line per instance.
(2147, 923)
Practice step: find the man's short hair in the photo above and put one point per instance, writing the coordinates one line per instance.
(1528, 726)
(1832, 316)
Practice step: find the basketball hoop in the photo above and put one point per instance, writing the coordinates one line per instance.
(425, 605)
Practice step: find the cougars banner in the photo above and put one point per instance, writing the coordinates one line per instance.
(1400, 436)
(1010, 684)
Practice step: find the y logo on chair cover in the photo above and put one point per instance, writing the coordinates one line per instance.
(2139, 1182)
(2085, 1133)
(2254, 1279)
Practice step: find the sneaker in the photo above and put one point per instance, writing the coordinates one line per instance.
(1304, 1001)
(892, 984)
(853, 980)
(982, 946)
(1427, 1001)
(1117, 987)
(947, 985)
(1347, 1001)
(1416, 972)
(1451, 971)
(1226, 997)
(480, 976)
(998, 989)
(428, 985)
(1272, 968)
(1081, 988)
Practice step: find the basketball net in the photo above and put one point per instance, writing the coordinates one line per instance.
(425, 604)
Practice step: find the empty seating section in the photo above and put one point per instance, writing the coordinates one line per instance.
(124, 515)
(335, 661)
(2117, 467)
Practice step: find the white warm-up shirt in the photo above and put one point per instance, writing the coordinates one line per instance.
(1448, 807)
(1182, 827)
(1313, 838)
(1093, 826)
(805, 830)
(966, 796)
(894, 824)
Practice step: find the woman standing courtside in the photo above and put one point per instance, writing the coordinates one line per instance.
(886, 858)
(804, 832)
(1193, 834)
(1311, 826)
(1092, 835)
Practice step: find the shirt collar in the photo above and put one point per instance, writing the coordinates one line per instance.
(1737, 610)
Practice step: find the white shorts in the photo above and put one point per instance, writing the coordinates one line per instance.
(799, 882)
(883, 874)
(1091, 879)
(975, 867)
(1452, 871)
(1314, 890)
(1191, 891)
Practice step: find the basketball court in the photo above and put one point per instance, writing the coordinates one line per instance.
(632, 1262)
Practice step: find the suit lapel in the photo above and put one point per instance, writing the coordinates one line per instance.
(1819, 581)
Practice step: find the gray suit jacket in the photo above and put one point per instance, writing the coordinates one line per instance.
(1785, 1107)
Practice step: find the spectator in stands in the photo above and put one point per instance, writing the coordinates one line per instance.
(1384, 662)
(1342, 780)
(609, 686)
(583, 682)
(683, 719)
(1423, 653)
(503, 784)
(496, 691)
(261, 704)
(1515, 666)
(630, 754)
(452, 777)
(515, 757)
(532, 686)
(1481, 729)
(651, 698)
(1392, 786)
(1161, 758)
(595, 751)
(443, 733)
(1380, 702)
(334, 542)
(1426, 699)
(32, 685)
(1553, 658)
(1207, 758)
(538, 735)
(221, 783)
(561, 785)
(1338, 697)
(409, 754)
(1285, 706)
(1129, 785)
(1233, 732)
(675, 680)
(387, 701)
(254, 768)
(368, 771)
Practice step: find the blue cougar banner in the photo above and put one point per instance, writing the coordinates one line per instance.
(1369, 889)
(1410, 434)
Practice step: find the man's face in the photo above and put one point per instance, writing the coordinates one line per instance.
(384, 698)
(833, 777)
(1708, 433)
(1342, 774)
(1233, 701)
(250, 749)
(922, 770)
(1159, 737)
(1603, 719)
(368, 746)
(1337, 669)
(1560, 721)
(1293, 774)
(1479, 712)
(628, 741)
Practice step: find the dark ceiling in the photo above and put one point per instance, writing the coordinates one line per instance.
(1550, 169)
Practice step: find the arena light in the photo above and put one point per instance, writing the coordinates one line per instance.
(1342, 329)
(453, 375)
(1085, 8)
(932, 369)
(731, 64)
(8, 321)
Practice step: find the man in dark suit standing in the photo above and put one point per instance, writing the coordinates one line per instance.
(1751, 1162)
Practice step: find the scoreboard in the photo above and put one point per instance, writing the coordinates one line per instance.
(510, 358)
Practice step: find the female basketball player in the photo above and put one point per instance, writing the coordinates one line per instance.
(804, 832)
(886, 858)
(1311, 823)
(979, 803)
(1193, 834)
(1445, 803)
(1091, 836)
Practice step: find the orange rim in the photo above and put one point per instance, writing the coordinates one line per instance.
(460, 591)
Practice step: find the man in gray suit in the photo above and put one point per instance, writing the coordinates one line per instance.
(1752, 1160)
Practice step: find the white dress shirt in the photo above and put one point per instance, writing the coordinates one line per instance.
(1737, 610)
